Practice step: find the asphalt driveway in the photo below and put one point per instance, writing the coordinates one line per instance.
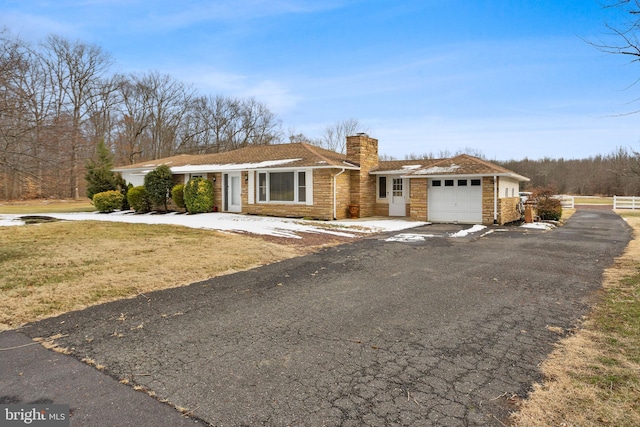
(439, 331)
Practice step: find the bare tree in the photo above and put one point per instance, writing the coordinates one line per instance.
(75, 70)
(294, 136)
(220, 123)
(134, 119)
(168, 102)
(58, 101)
(258, 125)
(627, 41)
(334, 137)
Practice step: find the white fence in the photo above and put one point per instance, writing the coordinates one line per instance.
(568, 202)
(624, 202)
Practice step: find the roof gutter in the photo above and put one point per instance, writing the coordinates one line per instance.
(335, 193)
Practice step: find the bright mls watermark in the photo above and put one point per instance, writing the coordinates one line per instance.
(34, 415)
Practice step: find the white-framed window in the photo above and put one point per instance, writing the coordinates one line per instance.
(283, 187)
(397, 187)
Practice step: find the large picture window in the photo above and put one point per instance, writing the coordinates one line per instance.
(282, 187)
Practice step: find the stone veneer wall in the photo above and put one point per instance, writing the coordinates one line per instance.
(419, 199)
(508, 210)
(487, 200)
(363, 150)
(343, 197)
(217, 190)
(322, 199)
(382, 209)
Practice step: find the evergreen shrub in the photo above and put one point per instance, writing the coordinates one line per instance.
(198, 195)
(108, 201)
(138, 199)
(177, 195)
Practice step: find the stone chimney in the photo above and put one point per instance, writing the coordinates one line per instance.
(363, 151)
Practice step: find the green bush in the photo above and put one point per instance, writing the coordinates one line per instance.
(99, 176)
(108, 201)
(177, 195)
(138, 199)
(124, 189)
(198, 195)
(158, 184)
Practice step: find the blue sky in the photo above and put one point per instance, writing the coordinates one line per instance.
(510, 79)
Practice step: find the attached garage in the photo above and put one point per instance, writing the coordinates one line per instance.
(455, 200)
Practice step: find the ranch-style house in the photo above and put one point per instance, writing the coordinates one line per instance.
(302, 180)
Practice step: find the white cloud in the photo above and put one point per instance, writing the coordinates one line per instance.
(34, 28)
(209, 81)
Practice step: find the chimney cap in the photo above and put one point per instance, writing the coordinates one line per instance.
(361, 134)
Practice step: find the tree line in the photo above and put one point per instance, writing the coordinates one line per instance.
(617, 173)
(59, 99)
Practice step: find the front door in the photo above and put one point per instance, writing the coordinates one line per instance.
(397, 203)
(232, 192)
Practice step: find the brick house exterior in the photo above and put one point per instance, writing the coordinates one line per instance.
(302, 180)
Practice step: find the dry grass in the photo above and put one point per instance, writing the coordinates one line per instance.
(45, 206)
(52, 268)
(593, 200)
(593, 377)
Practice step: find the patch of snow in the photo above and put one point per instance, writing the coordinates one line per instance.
(437, 169)
(412, 167)
(538, 226)
(279, 227)
(377, 225)
(229, 167)
(10, 220)
(464, 233)
(409, 237)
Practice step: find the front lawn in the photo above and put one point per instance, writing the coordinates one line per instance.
(51, 268)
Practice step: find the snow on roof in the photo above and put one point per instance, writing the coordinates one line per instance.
(437, 169)
(232, 166)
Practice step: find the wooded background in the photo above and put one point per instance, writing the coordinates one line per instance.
(59, 99)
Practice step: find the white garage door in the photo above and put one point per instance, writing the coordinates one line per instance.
(455, 200)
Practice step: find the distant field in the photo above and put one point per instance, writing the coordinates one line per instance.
(593, 200)
(40, 206)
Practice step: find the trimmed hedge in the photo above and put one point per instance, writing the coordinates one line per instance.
(198, 195)
(138, 199)
(108, 201)
(177, 195)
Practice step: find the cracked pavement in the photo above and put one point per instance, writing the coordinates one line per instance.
(446, 332)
